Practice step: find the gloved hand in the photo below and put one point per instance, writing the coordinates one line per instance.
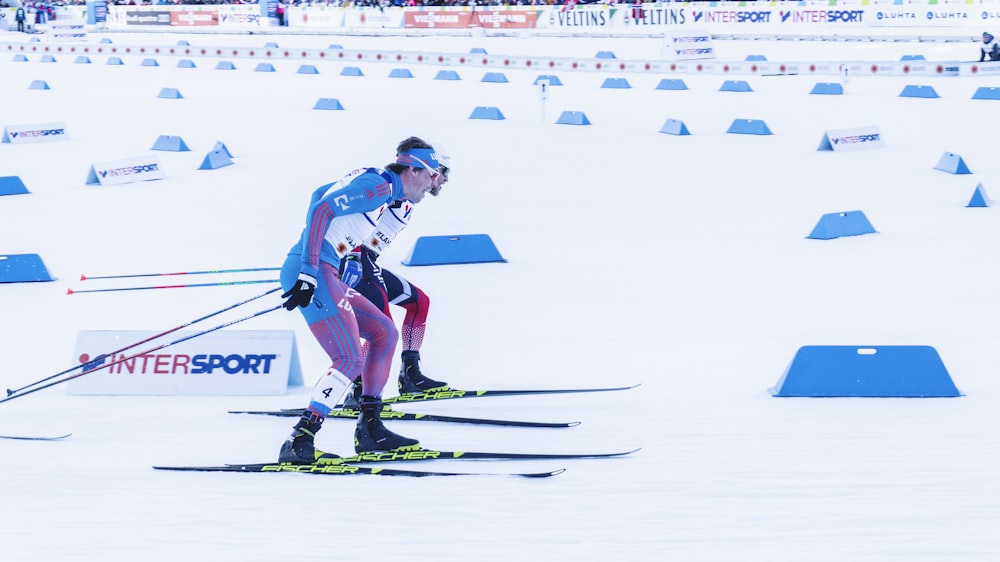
(301, 293)
(350, 269)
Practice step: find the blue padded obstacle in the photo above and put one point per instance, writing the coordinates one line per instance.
(888, 371)
(674, 127)
(828, 88)
(351, 71)
(307, 69)
(979, 197)
(447, 75)
(573, 118)
(552, 78)
(444, 250)
(481, 112)
(735, 86)
(335, 46)
(952, 163)
(671, 84)
(82, 59)
(39, 85)
(477, 51)
(185, 63)
(605, 55)
(170, 94)
(749, 127)
(271, 45)
(835, 225)
(170, 143)
(618, 83)
(115, 61)
(183, 43)
(23, 268)
(912, 57)
(754, 58)
(149, 62)
(47, 58)
(105, 41)
(499, 77)
(986, 93)
(12, 185)
(264, 67)
(225, 65)
(20, 58)
(222, 148)
(400, 73)
(328, 103)
(215, 159)
(914, 91)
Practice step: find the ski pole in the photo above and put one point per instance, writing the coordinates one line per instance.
(140, 354)
(218, 284)
(138, 343)
(211, 271)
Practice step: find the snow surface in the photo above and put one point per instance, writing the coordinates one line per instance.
(677, 262)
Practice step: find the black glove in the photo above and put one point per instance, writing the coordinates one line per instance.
(301, 293)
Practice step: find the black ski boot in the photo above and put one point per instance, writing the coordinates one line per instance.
(299, 448)
(411, 380)
(372, 436)
(352, 400)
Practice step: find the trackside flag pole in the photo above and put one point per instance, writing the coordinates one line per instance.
(138, 343)
(148, 351)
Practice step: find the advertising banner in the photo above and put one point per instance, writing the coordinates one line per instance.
(237, 362)
(128, 170)
(40, 132)
(858, 138)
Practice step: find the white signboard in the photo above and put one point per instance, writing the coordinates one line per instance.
(688, 45)
(38, 132)
(128, 170)
(858, 138)
(236, 362)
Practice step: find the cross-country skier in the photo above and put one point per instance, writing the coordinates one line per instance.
(341, 215)
(382, 287)
(990, 49)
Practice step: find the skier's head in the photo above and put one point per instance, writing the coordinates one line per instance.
(440, 154)
(987, 37)
(418, 167)
(444, 159)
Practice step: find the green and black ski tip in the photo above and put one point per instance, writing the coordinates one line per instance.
(347, 469)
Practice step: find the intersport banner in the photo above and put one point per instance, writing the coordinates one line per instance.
(810, 16)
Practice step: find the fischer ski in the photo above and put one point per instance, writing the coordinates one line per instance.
(345, 469)
(35, 438)
(435, 455)
(387, 414)
(453, 394)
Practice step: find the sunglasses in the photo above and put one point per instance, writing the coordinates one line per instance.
(432, 171)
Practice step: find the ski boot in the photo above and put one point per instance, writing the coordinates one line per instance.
(352, 400)
(299, 447)
(371, 436)
(411, 380)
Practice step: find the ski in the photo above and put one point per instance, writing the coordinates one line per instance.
(36, 438)
(348, 413)
(346, 469)
(453, 394)
(435, 455)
